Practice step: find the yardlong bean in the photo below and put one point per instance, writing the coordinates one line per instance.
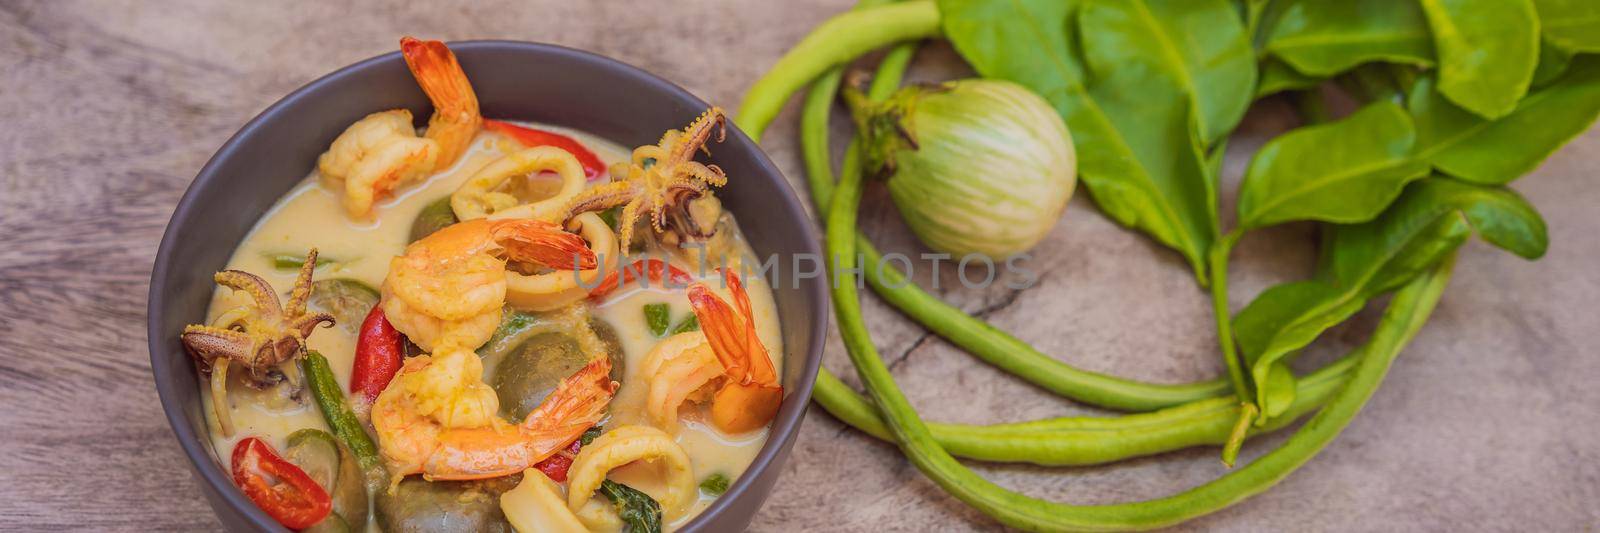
(836, 42)
(1076, 441)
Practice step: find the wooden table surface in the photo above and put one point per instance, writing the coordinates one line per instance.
(1488, 422)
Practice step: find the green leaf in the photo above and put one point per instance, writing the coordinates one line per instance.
(589, 435)
(1495, 152)
(1277, 394)
(1430, 220)
(689, 323)
(1359, 254)
(1487, 51)
(1277, 77)
(714, 484)
(1251, 12)
(638, 511)
(659, 317)
(1326, 37)
(1571, 24)
(1197, 48)
(1278, 323)
(1345, 171)
(1133, 135)
(1553, 62)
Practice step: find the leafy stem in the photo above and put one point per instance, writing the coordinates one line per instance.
(1248, 410)
(1219, 307)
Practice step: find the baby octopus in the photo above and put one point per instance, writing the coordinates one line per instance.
(664, 179)
(259, 336)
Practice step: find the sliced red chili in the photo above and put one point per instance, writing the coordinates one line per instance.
(555, 467)
(592, 166)
(277, 486)
(380, 350)
(653, 269)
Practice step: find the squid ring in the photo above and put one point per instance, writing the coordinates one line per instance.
(478, 197)
(553, 290)
(625, 445)
(535, 505)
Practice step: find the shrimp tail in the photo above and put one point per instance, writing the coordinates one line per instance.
(456, 118)
(536, 241)
(576, 405)
(750, 396)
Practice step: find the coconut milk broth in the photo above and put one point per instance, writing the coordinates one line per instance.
(311, 215)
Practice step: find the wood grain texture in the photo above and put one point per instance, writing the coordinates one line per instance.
(1487, 423)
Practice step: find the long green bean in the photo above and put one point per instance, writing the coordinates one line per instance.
(1076, 441)
(1405, 315)
(833, 43)
(985, 341)
(335, 410)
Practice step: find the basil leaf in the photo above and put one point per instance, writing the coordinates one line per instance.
(589, 435)
(658, 317)
(1137, 153)
(689, 323)
(1487, 51)
(1571, 24)
(714, 484)
(1326, 37)
(637, 510)
(1345, 171)
(1495, 152)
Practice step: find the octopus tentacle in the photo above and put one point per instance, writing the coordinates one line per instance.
(308, 323)
(600, 198)
(302, 286)
(206, 343)
(626, 222)
(710, 174)
(698, 132)
(259, 290)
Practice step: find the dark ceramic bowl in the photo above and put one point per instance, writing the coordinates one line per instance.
(515, 80)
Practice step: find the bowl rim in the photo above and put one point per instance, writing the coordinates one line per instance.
(784, 429)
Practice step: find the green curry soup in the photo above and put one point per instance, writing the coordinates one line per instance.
(355, 257)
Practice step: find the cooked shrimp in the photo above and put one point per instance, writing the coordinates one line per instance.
(382, 151)
(724, 364)
(437, 418)
(455, 117)
(450, 286)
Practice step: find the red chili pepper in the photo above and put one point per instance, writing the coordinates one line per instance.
(592, 167)
(277, 486)
(555, 467)
(380, 350)
(653, 269)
